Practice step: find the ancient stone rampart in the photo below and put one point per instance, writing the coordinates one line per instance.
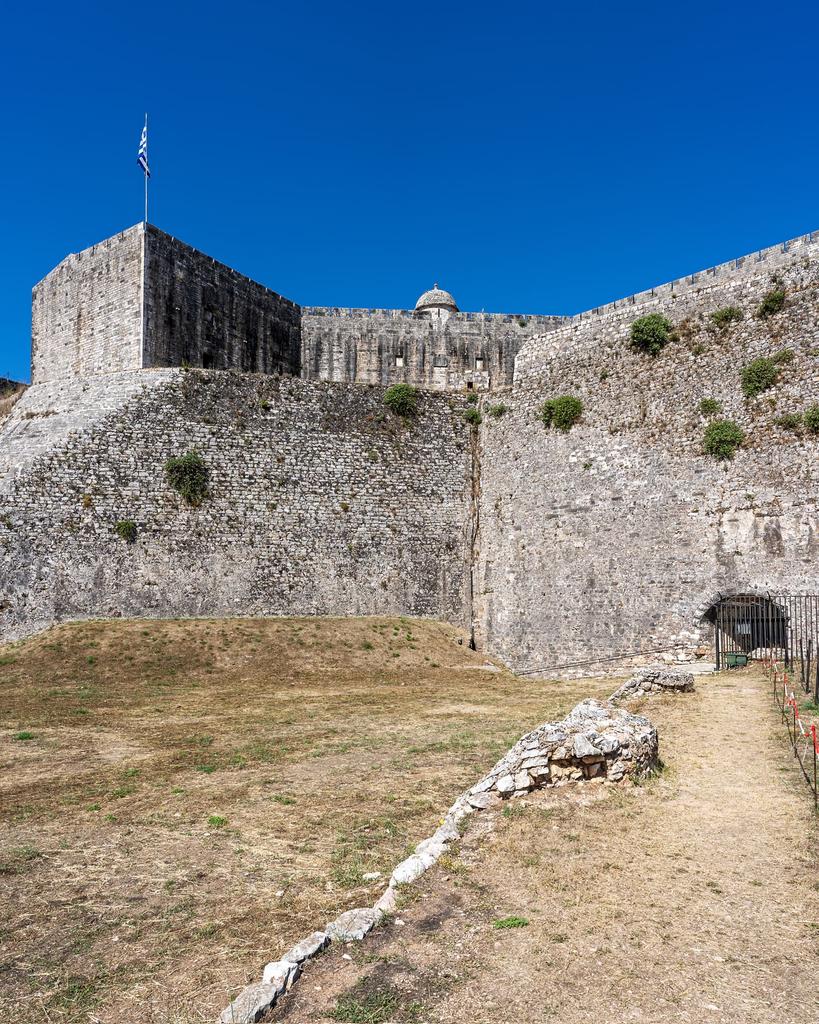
(86, 315)
(613, 538)
(199, 312)
(319, 502)
(382, 346)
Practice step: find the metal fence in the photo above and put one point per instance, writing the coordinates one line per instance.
(770, 628)
(803, 735)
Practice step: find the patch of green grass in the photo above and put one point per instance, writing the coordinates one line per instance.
(811, 419)
(497, 410)
(280, 798)
(512, 921)
(217, 821)
(382, 1004)
(23, 737)
(18, 859)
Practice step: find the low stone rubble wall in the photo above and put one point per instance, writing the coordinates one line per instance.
(654, 680)
(596, 740)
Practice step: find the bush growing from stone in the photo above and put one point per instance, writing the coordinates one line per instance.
(811, 419)
(127, 530)
(561, 413)
(651, 333)
(498, 410)
(188, 475)
(790, 420)
(472, 397)
(472, 416)
(722, 438)
(402, 399)
(759, 375)
(710, 407)
(772, 302)
(727, 315)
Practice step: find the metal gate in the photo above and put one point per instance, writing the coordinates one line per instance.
(772, 626)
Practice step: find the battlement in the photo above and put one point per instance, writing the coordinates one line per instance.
(773, 256)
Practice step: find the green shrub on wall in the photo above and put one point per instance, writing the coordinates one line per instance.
(561, 413)
(651, 333)
(759, 375)
(722, 438)
(472, 416)
(126, 529)
(773, 302)
(188, 475)
(727, 315)
(811, 419)
(710, 407)
(402, 399)
(789, 420)
(497, 410)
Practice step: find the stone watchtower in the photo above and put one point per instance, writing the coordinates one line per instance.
(436, 305)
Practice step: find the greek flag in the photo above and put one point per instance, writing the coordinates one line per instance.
(142, 158)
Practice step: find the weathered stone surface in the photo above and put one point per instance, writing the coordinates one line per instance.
(388, 901)
(301, 515)
(307, 948)
(353, 924)
(281, 974)
(655, 680)
(411, 868)
(595, 739)
(251, 1004)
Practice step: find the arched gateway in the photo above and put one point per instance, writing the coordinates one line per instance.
(747, 626)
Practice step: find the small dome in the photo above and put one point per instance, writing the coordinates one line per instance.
(436, 298)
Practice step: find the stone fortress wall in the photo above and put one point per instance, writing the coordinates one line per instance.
(317, 505)
(616, 537)
(383, 346)
(611, 540)
(86, 315)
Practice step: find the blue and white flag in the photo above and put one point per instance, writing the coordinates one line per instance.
(142, 158)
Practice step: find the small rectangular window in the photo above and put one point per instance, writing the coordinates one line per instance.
(207, 360)
(399, 360)
(479, 364)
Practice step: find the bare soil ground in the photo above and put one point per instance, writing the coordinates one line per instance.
(692, 898)
(179, 801)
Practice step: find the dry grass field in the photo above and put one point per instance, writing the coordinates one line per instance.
(181, 800)
(692, 899)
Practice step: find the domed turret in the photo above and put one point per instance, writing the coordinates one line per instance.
(435, 302)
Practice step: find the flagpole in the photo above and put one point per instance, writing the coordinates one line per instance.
(145, 172)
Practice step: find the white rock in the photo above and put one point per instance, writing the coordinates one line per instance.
(251, 1003)
(480, 801)
(523, 780)
(505, 784)
(353, 925)
(411, 868)
(280, 974)
(387, 903)
(307, 948)
(371, 876)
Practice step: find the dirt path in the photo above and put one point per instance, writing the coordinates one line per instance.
(693, 898)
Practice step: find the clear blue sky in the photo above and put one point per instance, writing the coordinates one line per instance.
(531, 157)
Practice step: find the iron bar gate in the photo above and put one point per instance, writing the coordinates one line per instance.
(769, 628)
